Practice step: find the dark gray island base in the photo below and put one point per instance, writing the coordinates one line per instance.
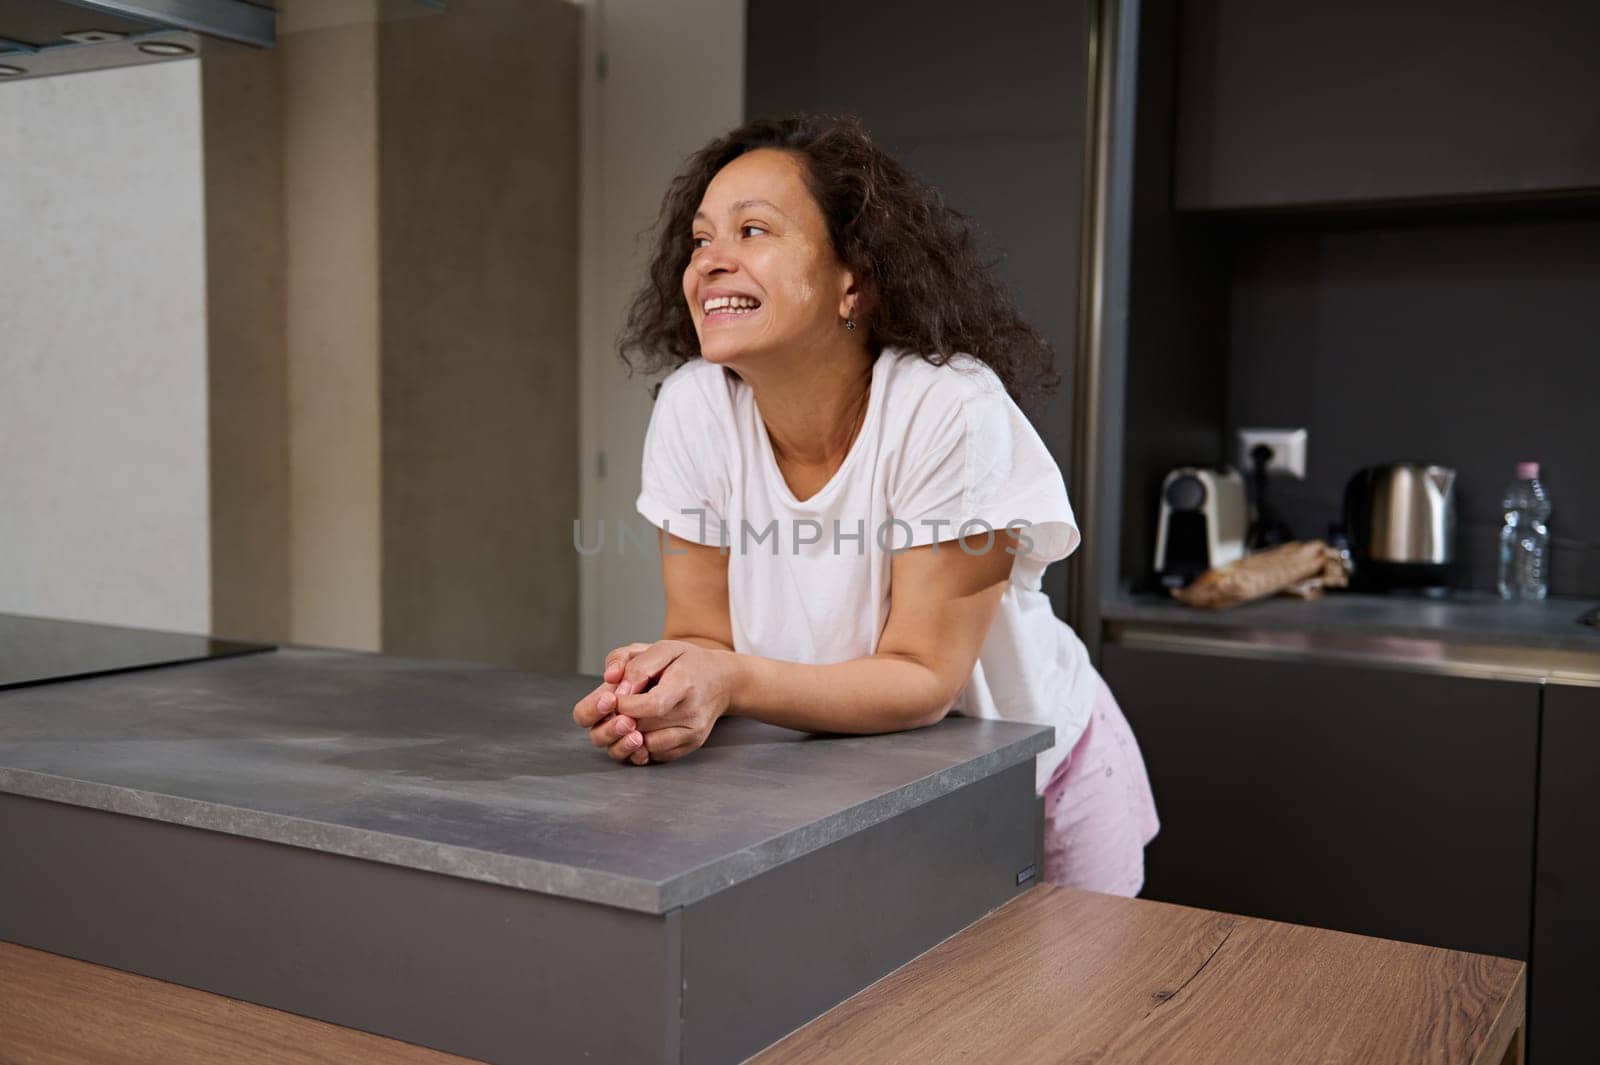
(434, 852)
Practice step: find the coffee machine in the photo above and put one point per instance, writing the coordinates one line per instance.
(1202, 523)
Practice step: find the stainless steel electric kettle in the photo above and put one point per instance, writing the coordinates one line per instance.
(1401, 519)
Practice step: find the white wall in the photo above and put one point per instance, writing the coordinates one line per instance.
(674, 80)
(104, 503)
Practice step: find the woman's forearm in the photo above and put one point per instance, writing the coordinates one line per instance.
(878, 693)
(701, 641)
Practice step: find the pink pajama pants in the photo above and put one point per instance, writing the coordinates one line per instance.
(1098, 809)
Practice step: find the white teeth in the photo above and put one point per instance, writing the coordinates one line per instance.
(730, 303)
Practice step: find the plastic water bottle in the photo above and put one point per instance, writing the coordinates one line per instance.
(1525, 537)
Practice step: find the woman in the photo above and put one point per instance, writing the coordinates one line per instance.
(854, 513)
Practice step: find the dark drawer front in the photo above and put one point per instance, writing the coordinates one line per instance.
(1368, 800)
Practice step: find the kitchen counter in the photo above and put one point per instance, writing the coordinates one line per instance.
(470, 771)
(277, 826)
(1469, 633)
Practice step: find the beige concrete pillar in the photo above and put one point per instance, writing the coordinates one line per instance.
(330, 181)
(246, 369)
(478, 174)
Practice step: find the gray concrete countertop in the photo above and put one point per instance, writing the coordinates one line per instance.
(469, 771)
(1465, 618)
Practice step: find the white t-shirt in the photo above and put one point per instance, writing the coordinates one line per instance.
(809, 581)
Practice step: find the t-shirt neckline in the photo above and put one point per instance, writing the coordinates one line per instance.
(859, 444)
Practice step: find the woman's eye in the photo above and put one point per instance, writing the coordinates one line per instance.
(697, 241)
(758, 229)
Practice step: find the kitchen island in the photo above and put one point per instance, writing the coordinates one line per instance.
(434, 852)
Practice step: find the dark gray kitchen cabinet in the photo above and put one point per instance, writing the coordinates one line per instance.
(1358, 798)
(1563, 1025)
(1341, 101)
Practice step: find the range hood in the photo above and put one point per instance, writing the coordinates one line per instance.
(43, 37)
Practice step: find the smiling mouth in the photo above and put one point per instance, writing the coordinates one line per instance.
(727, 308)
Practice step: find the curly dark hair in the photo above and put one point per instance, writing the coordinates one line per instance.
(928, 289)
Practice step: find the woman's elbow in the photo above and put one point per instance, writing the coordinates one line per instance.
(940, 708)
(932, 695)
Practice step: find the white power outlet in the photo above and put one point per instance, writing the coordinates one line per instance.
(1288, 450)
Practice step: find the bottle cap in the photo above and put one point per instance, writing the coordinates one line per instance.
(1527, 471)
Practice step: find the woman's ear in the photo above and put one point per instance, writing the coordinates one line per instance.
(849, 298)
(856, 299)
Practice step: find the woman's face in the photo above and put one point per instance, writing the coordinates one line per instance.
(764, 262)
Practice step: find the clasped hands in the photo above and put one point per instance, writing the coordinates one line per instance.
(658, 701)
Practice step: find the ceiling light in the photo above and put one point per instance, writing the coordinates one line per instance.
(165, 48)
(93, 36)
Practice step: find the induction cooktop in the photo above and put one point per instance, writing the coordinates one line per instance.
(39, 650)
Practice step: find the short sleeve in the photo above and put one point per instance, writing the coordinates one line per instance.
(683, 480)
(976, 461)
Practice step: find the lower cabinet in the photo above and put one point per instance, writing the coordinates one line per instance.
(1563, 1023)
(1371, 800)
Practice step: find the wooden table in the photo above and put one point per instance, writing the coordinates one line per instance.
(1061, 975)
(1057, 975)
(61, 1011)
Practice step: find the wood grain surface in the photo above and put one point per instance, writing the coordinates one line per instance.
(1066, 976)
(60, 1011)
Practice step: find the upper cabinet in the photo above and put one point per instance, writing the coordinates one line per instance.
(1332, 102)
